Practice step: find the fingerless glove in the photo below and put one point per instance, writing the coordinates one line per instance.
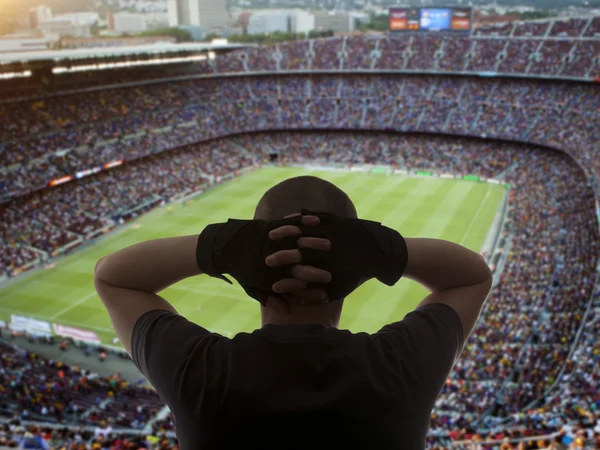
(239, 248)
(360, 250)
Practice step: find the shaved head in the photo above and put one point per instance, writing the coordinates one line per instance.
(305, 192)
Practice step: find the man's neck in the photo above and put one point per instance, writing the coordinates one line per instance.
(327, 315)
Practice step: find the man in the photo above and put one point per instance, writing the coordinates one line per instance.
(298, 381)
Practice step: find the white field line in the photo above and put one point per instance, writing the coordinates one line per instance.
(205, 292)
(74, 305)
(65, 322)
(477, 213)
(198, 292)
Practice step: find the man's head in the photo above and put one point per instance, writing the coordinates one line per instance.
(290, 197)
(305, 192)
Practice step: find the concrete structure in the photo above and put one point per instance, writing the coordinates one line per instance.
(110, 21)
(80, 18)
(80, 55)
(242, 20)
(269, 22)
(339, 22)
(62, 27)
(358, 18)
(129, 23)
(39, 14)
(302, 21)
(113, 41)
(16, 44)
(211, 15)
(134, 23)
(157, 20)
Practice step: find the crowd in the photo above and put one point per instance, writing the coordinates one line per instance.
(483, 52)
(560, 27)
(53, 218)
(519, 357)
(158, 117)
(569, 47)
(508, 363)
(37, 389)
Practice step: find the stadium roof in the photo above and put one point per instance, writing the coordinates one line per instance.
(109, 52)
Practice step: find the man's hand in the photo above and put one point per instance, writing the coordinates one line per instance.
(359, 251)
(296, 288)
(240, 248)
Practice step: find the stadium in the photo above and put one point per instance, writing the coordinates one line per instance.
(489, 139)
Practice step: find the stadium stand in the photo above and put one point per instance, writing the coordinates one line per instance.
(517, 378)
(158, 116)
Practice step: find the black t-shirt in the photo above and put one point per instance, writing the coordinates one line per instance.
(300, 386)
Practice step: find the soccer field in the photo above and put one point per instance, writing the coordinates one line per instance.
(455, 210)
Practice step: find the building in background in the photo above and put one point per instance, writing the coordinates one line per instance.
(359, 18)
(210, 15)
(302, 21)
(64, 27)
(79, 18)
(39, 14)
(269, 22)
(242, 21)
(133, 23)
(110, 21)
(339, 21)
(72, 24)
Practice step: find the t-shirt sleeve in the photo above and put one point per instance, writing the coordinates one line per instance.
(161, 344)
(427, 343)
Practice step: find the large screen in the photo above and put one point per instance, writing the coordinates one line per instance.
(434, 19)
(456, 20)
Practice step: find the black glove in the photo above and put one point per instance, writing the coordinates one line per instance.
(239, 248)
(360, 250)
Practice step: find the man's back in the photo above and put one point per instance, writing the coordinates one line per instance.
(288, 386)
(300, 385)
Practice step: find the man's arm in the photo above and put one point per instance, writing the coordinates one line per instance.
(129, 280)
(424, 346)
(455, 275)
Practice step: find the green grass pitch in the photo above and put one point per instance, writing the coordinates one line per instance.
(459, 211)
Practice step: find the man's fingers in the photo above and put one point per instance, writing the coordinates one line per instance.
(311, 274)
(292, 230)
(283, 258)
(310, 221)
(302, 276)
(314, 243)
(284, 231)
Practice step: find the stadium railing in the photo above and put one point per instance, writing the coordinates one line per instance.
(477, 445)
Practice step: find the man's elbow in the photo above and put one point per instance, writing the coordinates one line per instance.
(484, 273)
(97, 273)
(487, 278)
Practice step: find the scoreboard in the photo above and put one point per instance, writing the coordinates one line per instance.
(445, 20)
